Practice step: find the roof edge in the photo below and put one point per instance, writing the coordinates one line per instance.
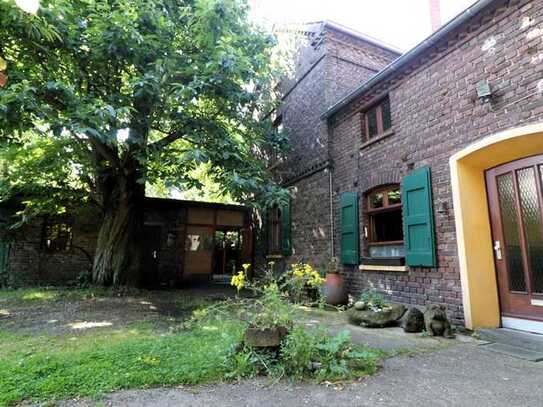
(410, 55)
(357, 34)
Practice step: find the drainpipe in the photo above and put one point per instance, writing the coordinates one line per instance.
(331, 193)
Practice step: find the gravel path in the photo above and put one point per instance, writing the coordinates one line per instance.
(459, 375)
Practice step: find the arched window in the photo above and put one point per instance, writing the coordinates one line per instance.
(385, 229)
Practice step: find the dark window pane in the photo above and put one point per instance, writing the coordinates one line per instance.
(394, 197)
(274, 231)
(531, 218)
(373, 130)
(57, 237)
(385, 111)
(513, 250)
(376, 200)
(387, 226)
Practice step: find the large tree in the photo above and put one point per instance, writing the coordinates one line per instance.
(105, 96)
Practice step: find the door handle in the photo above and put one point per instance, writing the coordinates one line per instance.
(498, 249)
(155, 254)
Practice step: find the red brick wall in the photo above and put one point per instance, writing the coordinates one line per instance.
(340, 62)
(30, 264)
(435, 113)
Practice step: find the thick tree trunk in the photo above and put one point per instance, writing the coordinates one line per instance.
(118, 257)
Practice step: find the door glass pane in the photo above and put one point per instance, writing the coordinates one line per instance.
(531, 218)
(537, 262)
(513, 252)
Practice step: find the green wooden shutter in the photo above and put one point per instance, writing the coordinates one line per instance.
(286, 241)
(349, 228)
(4, 246)
(4, 258)
(418, 219)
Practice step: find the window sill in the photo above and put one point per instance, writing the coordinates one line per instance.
(376, 267)
(383, 136)
(274, 256)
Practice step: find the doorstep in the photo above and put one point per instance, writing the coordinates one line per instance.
(517, 344)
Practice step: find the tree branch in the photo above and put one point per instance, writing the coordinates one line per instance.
(104, 151)
(167, 140)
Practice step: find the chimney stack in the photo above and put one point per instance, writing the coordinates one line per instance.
(435, 14)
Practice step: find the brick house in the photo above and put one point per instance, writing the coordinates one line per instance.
(424, 178)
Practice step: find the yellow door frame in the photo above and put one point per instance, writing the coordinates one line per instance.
(473, 233)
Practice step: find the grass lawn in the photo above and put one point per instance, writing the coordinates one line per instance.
(125, 343)
(44, 368)
(41, 366)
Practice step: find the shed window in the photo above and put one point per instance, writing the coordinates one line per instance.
(377, 120)
(57, 237)
(385, 234)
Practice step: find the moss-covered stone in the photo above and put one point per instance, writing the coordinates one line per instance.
(387, 316)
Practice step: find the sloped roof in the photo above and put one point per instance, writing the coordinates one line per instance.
(412, 55)
(357, 34)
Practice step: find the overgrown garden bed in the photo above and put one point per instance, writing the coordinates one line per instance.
(159, 349)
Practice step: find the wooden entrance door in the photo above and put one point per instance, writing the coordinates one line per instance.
(199, 245)
(151, 252)
(516, 213)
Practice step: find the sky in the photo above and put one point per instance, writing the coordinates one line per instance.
(401, 23)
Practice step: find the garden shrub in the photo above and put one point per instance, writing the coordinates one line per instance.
(373, 299)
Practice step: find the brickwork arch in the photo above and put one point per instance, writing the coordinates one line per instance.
(379, 179)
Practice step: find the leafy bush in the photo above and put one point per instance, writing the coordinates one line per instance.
(272, 309)
(303, 283)
(304, 353)
(315, 354)
(373, 299)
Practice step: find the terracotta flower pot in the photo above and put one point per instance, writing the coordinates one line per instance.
(334, 289)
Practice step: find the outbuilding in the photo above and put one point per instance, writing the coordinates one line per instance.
(185, 242)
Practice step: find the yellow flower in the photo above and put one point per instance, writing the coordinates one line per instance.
(246, 267)
(238, 280)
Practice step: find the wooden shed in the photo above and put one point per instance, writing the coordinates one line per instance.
(184, 242)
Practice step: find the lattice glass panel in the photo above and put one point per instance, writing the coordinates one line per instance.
(531, 218)
(513, 249)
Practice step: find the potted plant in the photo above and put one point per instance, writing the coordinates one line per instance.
(270, 316)
(334, 286)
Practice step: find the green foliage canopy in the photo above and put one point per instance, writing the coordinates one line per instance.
(100, 87)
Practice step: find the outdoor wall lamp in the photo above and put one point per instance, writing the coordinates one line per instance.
(443, 208)
(484, 92)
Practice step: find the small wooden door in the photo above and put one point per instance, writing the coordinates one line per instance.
(151, 253)
(515, 203)
(199, 245)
